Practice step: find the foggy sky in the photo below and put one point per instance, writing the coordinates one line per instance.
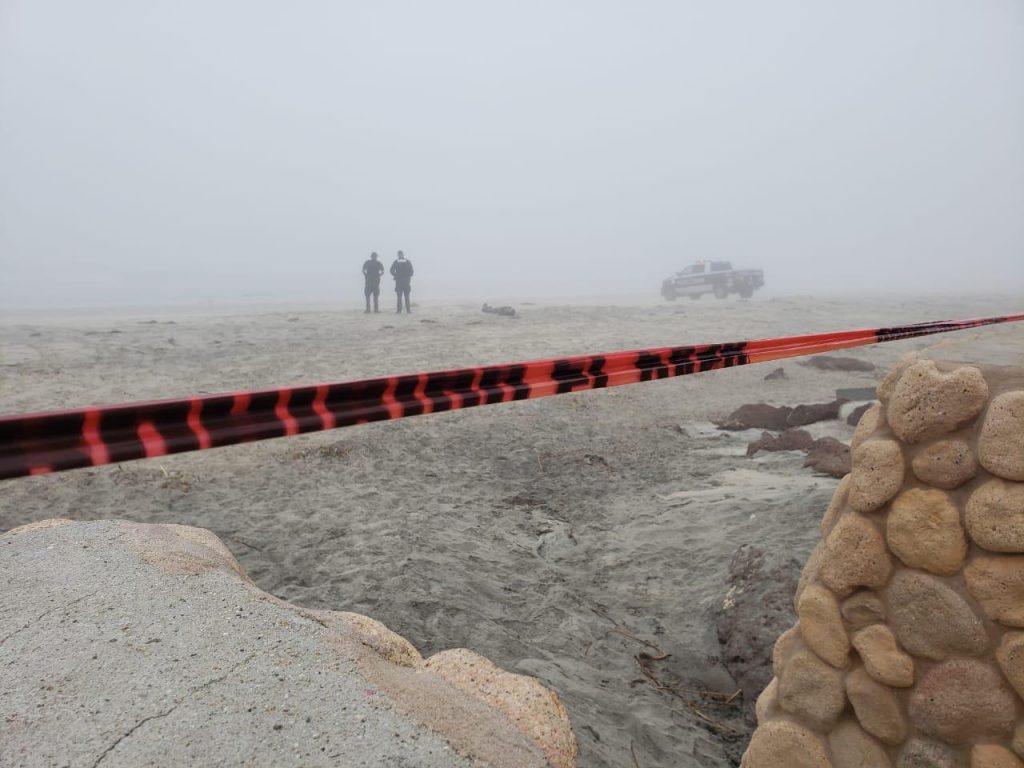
(172, 152)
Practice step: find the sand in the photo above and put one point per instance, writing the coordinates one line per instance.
(559, 537)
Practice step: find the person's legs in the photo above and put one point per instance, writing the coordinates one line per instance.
(398, 293)
(376, 295)
(405, 292)
(366, 292)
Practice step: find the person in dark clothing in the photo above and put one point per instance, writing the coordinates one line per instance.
(401, 270)
(372, 270)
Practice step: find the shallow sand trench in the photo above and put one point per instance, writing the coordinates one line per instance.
(547, 536)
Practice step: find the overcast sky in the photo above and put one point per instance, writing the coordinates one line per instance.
(178, 151)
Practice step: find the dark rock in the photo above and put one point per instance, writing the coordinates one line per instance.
(757, 608)
(778, 373)
(829, 363)
(790, 440)
(830, 457)
(808, 414)
(505, 311)
(854, 418)
(757, 416)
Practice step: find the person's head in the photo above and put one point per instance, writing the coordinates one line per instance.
(401, 256)
(373, 256)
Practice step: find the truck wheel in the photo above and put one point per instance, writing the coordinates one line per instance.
(668, 290)
(721, 292)
(746, 293)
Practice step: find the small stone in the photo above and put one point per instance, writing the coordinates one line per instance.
(927, 403)
(867, 426)
(768, 702)
(924, 531)
(882, 658)
(780, 742)
(1010, 655)
(877, 474)
(835, 507)
(946, 464)
(853, 748)
(821, 625)
(877, 707)
(997, 582)
(993, 756)
(863, 608)
(932, 620)
(787, 643)
(921, 753)
(995, 516)
(855, 556)
(812, 691)
(962, 700)
(1001, 443)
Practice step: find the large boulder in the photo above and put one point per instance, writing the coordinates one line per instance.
(133, 644)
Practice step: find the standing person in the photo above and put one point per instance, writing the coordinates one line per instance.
(372, 270)
(401, 270)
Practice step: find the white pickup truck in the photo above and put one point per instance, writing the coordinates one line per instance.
(717, 277)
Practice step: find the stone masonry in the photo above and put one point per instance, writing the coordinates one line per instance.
(908, 651)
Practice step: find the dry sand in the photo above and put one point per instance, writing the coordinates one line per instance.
(556, 537)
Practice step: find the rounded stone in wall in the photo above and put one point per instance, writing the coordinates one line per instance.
(926, 402)
(862, 609)
(882, 658)
(811, 690)
(995, 516)
(821, 625)
(1010, 656)
(997, 583)
(877, 474)
(853, 748)
(783, 743)
(1001, 443)
(869, 423)
(945, 464)
(961, 700)
(931, 619)
(855, 555)
(923, 529)
(877, 707)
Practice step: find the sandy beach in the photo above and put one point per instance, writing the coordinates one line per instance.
(559, 538)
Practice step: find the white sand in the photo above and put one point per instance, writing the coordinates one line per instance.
(540, 534)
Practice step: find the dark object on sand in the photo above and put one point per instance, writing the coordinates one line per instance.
(854, 418)
(808, 414)
(505, 311)
(778, 418)
(830, 457)
(776, 375)
(790, 440)
(757, 416)
(756, 610)
(829, 363)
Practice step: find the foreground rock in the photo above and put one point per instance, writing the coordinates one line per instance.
(924, 581)
(128, 644)
(779, 417)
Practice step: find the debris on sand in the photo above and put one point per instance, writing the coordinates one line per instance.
(777, 375)
(829, 363)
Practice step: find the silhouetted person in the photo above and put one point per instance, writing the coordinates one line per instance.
(401, 270)
(372, 270)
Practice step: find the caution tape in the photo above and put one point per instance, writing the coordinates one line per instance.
(40, 443)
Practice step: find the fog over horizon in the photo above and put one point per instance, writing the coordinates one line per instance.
(220, 151)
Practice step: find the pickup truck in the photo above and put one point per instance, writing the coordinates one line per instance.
(717, 277)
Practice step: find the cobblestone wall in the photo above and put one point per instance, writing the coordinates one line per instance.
(909, 646)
